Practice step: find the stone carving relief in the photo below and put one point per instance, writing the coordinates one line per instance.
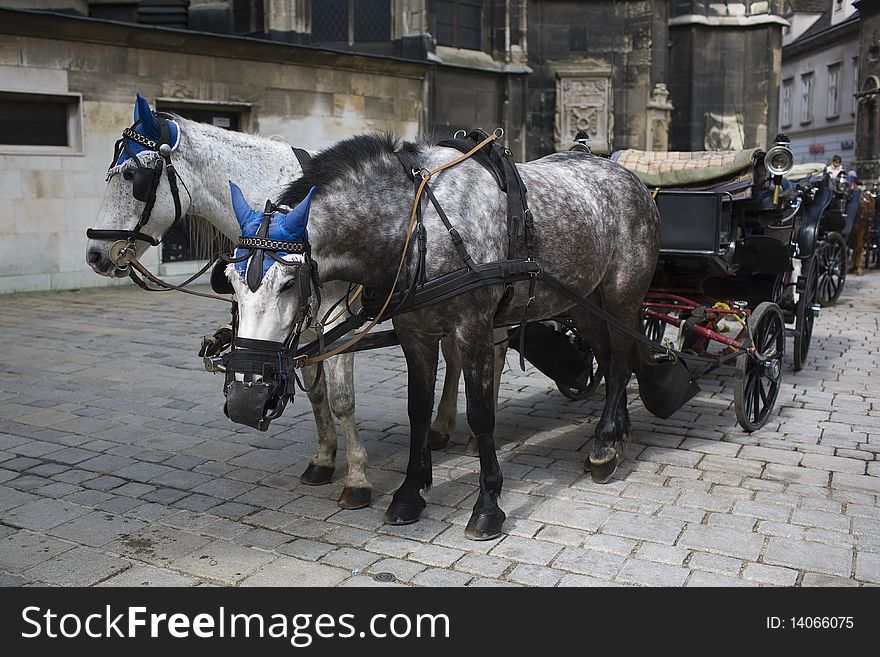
(583, 103)
(724, 132)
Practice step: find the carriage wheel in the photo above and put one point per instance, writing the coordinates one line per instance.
(831, 262)
(759, 375)
(655, 329)
(804, 315)
(594, 374)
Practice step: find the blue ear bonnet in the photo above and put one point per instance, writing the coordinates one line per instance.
(146, 124)
(289, 227)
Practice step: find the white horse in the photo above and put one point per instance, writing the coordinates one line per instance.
(205, 159)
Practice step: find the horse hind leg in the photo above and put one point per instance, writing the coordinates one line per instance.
(323, 463)
(357, 490)
(444, 423)
(447, 409)
(613, 352)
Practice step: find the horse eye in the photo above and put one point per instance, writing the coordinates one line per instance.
(128, 174)
(288, 284)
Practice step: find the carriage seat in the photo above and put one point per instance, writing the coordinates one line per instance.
(718, 171)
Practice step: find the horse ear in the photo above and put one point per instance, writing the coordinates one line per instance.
(295, 221)
(243, 211)
(143, 113)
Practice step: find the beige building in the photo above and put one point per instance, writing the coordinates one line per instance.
(65, 99)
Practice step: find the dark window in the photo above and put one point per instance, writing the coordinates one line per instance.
(372, 20)
(35, 119)
(117, 11)
(330, 20)
(176, 245)
(459, 23)
(351, 21)
(247, 17)
(167, 13)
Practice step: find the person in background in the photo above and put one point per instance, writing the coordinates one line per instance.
(835, 168)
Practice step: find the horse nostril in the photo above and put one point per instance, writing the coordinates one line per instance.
(93, 257)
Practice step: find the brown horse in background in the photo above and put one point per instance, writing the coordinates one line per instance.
(859, 233)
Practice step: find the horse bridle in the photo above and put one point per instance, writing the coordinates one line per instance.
(145, 182)
(273, 362)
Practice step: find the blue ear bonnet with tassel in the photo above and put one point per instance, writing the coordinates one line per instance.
(289, 227)
(146, 124)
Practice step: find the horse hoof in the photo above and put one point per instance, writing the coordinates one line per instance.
(602, 470)
(437, 440)
(485, 526)
(472, 448)
(355, 498)
(317, 475)
(404, 513)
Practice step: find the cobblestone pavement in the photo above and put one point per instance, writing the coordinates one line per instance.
(118, 468)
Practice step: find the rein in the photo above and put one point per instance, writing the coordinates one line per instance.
(425, 177)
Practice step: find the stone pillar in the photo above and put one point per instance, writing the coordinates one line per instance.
(659, 115)
(289, 20)
(868, 106)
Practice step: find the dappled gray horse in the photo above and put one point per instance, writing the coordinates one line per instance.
(596, 229)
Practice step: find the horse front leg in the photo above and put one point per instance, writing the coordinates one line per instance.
(421, 352)
(478, 358)
(447, 409)
(323, 463)
(500, 354)
(357, 491)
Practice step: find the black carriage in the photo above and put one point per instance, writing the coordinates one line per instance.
(840, 205)
(738, 262)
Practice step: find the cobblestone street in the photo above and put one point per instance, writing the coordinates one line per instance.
(118, 468)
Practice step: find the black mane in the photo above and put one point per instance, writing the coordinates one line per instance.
(348, 158)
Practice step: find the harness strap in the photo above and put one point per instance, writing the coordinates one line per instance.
(99, 234)
(453, 233)
(147, 275)
(412, 219)
(255, 265)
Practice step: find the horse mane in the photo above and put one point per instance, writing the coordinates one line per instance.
(348, 159)
(206, 241)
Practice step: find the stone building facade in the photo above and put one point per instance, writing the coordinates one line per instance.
(867, 155)
(89, 70)
(820, 72)
(646, 74)
(600, 67)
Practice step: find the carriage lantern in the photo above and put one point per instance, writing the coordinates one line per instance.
(778, 161)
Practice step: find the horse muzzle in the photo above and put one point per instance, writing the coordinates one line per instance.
(247, 403)
(257, 384)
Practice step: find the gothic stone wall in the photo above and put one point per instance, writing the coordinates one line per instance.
(594, 65)
(868, 107)
(724, 83)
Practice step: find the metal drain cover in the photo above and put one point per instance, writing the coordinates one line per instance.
(384, 577)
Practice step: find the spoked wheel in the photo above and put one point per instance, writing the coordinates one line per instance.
(759, 374)
(805, 314)
(594, 373)
(831, 263)
(655, 329)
